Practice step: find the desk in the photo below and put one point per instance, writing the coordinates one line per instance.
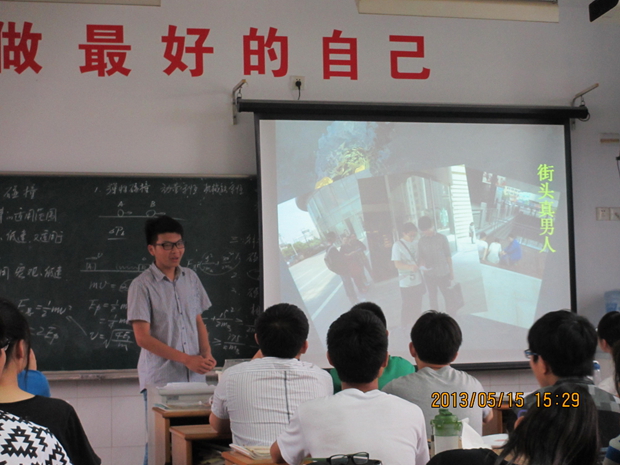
(163, 419)
(183, 437)
(235, 458)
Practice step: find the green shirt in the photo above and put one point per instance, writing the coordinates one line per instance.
(397, 367)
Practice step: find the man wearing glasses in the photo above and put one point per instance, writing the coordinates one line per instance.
(165, 305)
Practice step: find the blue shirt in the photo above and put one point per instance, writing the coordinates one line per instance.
(34, 382)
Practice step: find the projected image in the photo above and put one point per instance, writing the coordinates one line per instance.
(418, 216)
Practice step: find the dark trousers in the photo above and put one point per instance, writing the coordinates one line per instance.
(412, 304)
(347, 282)
(437, 282)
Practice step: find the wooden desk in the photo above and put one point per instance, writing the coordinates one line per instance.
(235, 458)
(182, 438)
(163, 419)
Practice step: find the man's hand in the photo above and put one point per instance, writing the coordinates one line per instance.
(199, 364)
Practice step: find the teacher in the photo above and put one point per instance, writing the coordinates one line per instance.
(165, 305)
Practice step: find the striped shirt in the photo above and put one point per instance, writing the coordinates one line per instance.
(171, 308)
(259, 397)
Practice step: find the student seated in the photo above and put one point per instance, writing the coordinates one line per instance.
(55, 414)
(561, 350)
(360, 418)
(255, 400)
(435, 341)
(608, 331)
(558, 433)
(23, 442)
(397, 366)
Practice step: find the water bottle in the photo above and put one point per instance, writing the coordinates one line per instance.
(596, 373)
(446, 432)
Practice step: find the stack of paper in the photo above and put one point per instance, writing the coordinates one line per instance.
(254, 452)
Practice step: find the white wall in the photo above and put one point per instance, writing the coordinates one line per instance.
(63, 121)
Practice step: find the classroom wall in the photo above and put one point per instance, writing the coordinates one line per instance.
(62, 120)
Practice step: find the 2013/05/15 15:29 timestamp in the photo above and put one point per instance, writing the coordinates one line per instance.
(564, 399)
(477, 399)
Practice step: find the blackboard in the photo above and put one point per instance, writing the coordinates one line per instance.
(70, 245)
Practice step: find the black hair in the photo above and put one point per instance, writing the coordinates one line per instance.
(15, 328)
(608, 328)
(371, 307)
(425, 223)
(436, 337)
(161, 224)
(564, 433)
(407, 227)
(482, 235)
(615, 354)
(281, 331)
(566, 341)
(357, 345)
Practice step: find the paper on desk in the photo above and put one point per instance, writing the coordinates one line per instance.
(470, 437)
(254, 452)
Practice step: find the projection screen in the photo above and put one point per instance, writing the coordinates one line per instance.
(496, 186)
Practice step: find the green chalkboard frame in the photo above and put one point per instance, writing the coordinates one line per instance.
(70, 243)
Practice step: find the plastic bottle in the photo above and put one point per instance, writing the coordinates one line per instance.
(446, 432)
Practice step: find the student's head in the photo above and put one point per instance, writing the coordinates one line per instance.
(357, 346)
(164, 237)
(425, 223)
(608, 330)
(371, 307)
(436, 338)
(482, 236)
(410, 231)
(161, 224)
(566, 342)
(16, 333)
(564, 432)
(282, 331)
(331, 237)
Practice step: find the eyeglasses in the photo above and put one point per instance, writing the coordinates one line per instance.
(359, 458)
(171, 245)
(4, 344)
(528, 353)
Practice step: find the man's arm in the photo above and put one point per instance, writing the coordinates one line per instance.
(488, 417)
(142, 332)
(203, 341)
(220, 425)
(403, 266)
(276, 455)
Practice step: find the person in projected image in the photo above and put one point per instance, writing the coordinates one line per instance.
(410, 282)
(492, 256)
(355, 267)
(482, 245)
(512, 253)
(434, 255)
(336, 263)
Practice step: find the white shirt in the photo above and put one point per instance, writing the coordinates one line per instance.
(407, 252)
(388, 428)
(494, 250)
(419, 387)
(259, 397)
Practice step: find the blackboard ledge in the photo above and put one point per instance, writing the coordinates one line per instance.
(90, 375)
